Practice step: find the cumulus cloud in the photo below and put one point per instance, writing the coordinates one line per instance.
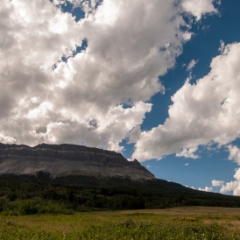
(206, 189)
(217, 183)
(234, 154)
(199, 7)
(191, 65)
(83, 99)
(134, 134)
(202, 113)
(190, 187)
(188, 153)
(233, 186)
(222, 46)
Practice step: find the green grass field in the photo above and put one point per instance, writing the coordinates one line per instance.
(186, 223)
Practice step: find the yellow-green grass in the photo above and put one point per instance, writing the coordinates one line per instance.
(188, 223)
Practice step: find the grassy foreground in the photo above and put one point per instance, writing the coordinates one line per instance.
(188, 223)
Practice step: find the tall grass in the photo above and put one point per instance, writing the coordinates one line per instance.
(114, 226)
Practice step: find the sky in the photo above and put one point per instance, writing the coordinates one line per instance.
(156, 80)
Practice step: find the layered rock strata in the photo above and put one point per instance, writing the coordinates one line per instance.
(66, 159)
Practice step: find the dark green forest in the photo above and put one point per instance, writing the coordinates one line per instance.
(43, 194)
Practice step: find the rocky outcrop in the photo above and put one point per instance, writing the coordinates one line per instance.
(66, 159)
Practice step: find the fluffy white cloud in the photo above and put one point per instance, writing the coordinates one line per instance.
(201, 113)
(217, 183)
(191, 65)
(199, 7)
(233, 186)
(206, 189)
(234, 154)
(42, 98)
(190, 187)
(188, 153)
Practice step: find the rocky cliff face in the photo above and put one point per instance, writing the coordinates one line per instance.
(65, 159)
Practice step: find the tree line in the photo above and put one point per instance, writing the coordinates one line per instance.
(66, 194)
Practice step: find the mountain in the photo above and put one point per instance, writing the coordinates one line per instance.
(66, 159)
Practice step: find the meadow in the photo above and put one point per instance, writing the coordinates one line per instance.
(183, 223)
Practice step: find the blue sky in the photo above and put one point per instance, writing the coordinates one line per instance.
(157, 80)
